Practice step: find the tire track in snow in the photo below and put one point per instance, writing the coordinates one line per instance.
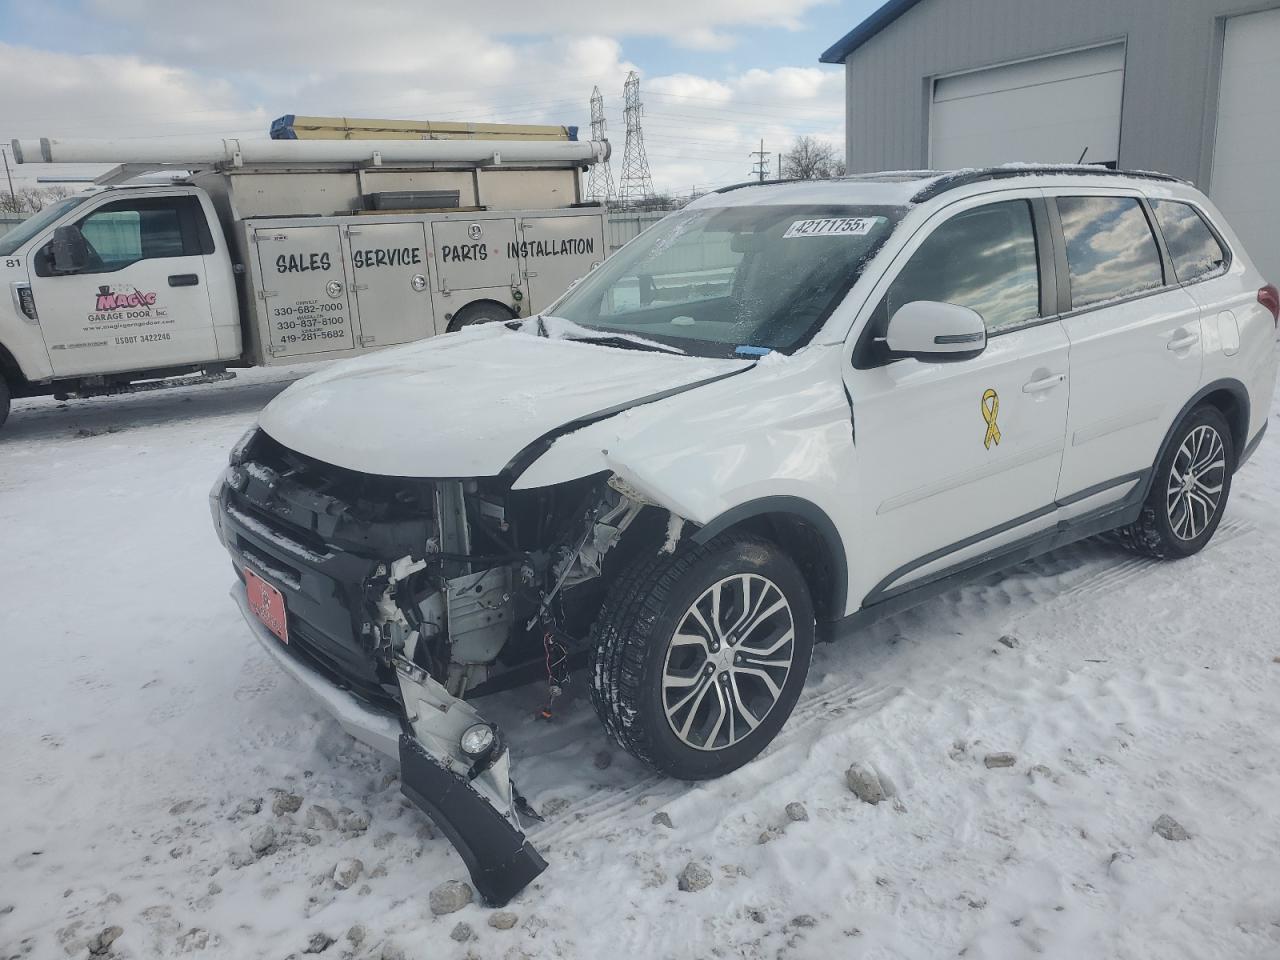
(853, 700)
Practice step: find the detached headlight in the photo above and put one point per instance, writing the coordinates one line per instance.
(477, 741)
(237, 454)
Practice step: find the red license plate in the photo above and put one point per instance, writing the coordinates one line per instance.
(267, 604)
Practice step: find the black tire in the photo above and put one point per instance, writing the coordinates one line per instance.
(482, 312)
(633, 635)
(1163, 529)
(4, 401)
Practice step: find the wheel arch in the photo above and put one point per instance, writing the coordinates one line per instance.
(12, 373)
(459, 318)
(1229, 397)
(806, 533)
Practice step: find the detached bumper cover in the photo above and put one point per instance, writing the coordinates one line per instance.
(500, 859)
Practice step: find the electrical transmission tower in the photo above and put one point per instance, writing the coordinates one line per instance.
(600, 183)
(636, 183)
(761, 167)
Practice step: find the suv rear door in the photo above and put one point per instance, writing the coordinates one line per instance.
(1136, 350)
(957, 459)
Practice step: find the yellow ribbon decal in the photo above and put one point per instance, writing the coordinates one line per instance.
(990, 410)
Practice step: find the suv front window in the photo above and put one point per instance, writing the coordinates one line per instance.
(744, 279)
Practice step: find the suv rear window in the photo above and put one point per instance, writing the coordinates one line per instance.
(1111, 251)
(1193, 248)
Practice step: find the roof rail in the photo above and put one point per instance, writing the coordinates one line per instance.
(962, 178)
(754, 183)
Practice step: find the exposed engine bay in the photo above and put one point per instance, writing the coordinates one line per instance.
(415, 594)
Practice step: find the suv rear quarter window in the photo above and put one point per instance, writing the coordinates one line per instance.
(1111, 252)
(1194, 250)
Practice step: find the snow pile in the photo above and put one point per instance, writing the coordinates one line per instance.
(1080, 759)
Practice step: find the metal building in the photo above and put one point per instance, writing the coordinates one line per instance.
(1188, 87)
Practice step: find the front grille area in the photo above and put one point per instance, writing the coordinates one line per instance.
(287, 518)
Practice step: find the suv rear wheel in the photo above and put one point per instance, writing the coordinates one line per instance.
(4, 401)
(1189, 491)
(698, 658)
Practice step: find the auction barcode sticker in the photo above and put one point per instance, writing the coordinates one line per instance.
(832, 227)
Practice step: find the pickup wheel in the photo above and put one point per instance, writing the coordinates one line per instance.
(1188, 492)
(4, 401)
(482, 312)
(698, 658)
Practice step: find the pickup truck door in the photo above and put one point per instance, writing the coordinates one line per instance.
(958, 460)
(141, 302)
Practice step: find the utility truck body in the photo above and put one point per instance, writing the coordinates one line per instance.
(274, 252)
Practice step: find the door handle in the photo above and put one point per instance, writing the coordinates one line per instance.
(1183, 339)
(184, 280)
(1044, 383)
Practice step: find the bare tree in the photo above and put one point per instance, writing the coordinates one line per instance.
(811, 159)
(32, 199)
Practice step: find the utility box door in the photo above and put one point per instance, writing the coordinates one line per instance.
(470, 254)
(557, 251)
(390, 280)
(305, 302)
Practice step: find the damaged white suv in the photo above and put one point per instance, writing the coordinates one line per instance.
(777, 414)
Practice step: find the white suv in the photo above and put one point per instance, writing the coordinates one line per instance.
(778, 414)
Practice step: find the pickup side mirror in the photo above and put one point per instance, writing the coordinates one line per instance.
(936, 332)
(70, 249)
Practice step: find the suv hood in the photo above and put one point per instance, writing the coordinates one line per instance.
(465, 404)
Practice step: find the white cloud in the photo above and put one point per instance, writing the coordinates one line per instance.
(231, 72)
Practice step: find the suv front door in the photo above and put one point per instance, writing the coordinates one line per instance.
(960, 458)
(141, 302)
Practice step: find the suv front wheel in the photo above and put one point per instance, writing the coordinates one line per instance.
(698, 658)
(1189, 491)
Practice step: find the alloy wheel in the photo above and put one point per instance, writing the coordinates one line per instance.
(1195, 482)
(728, 661)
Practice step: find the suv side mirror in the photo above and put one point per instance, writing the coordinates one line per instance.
(936, 332)
(70, 249)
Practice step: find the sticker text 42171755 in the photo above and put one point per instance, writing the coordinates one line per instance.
(832, 227)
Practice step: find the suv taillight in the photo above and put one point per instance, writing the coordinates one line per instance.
(1269, 297)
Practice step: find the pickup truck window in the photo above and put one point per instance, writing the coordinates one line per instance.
(126, 231)
(735, 280)
(12, 241)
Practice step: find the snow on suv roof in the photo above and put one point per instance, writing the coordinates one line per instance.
(913, 186)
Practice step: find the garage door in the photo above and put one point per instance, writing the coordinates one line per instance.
(1048, 110)
(1244, 180)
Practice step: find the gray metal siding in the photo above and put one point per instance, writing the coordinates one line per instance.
(1173, 49)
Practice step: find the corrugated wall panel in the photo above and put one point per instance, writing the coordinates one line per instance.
(1169, 59)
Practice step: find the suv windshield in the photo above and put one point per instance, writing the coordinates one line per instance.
(28, 228)
(732, 280)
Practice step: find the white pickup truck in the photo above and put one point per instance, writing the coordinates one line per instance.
(273, 252)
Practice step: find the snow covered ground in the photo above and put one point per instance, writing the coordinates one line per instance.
(147, 741)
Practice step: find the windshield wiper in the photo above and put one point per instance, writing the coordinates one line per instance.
(627, 343)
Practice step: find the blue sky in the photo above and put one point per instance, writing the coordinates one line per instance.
(717, 75)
